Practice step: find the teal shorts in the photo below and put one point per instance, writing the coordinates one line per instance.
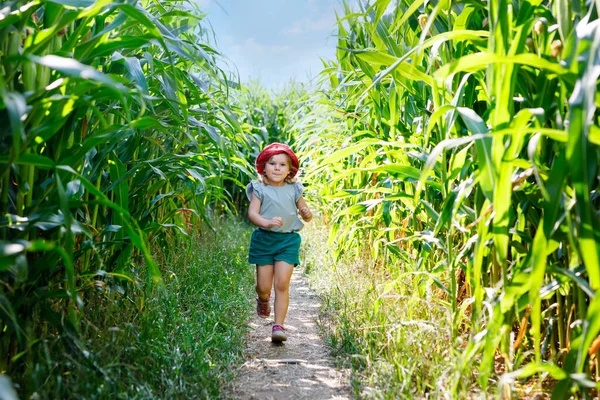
(266, 247)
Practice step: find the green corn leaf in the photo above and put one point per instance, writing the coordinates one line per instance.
(478, 61)
(74, 68)
(357, 209)
(409, 12)
(141, 17)
(66, 251)
(576, 275)
(483, 146)
(539, 257)
(348, 151)
(73, 3)
(447, 213)
(404, 68)
(482, 142)
(582, 107)
(135, 234)
(16, 106)
(120, 43)
(30, 159)
(562, 9)
(135, 70)
(121, 191)
(531, 369)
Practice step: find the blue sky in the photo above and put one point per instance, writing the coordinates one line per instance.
(274, 40)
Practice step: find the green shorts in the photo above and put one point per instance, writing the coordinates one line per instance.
(266, 247)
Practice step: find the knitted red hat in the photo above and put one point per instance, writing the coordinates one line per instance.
(272, 150)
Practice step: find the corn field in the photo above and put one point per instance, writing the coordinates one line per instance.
(456, 141)
(116, 138)
(459, 141)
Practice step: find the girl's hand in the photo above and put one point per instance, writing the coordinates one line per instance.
(305, 213)
(273, 222)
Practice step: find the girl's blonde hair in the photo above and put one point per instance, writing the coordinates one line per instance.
(265, 181)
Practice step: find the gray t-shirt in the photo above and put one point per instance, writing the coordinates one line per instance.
(278, 201)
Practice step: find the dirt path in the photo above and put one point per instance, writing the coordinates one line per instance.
(301, 367)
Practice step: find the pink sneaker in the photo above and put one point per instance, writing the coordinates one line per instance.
(263, 307)
(278, 334)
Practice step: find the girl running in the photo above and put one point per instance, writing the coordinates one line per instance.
(275, 201)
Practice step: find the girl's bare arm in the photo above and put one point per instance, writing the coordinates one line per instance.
(304, 210)
(257, 219)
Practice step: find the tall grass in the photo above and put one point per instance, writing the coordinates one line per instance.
(390, 328)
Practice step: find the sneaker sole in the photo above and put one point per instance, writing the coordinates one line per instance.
(277, 337)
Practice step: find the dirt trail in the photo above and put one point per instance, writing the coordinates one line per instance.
(301, 367)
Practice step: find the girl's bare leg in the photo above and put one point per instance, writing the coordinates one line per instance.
(264, 281)
(283, 275)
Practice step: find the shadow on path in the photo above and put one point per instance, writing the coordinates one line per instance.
(301, 367)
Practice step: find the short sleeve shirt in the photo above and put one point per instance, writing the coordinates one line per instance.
(278, 201)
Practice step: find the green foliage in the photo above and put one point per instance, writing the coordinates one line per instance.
(179, 343)
(118, 134)
(391, 328)
(116, 138)
(459, 141)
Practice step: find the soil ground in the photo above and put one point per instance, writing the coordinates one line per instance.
(301, 367)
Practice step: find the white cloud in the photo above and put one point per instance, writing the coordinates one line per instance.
(275, 65)
(274, 47)
(320, 6)
(324, 24)
(250, 45)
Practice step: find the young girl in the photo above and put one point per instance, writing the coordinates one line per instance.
(275, 200)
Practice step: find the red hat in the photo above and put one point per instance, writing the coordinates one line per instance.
(272, 150)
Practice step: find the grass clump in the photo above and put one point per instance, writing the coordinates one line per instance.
(180, 342)
(393, 329)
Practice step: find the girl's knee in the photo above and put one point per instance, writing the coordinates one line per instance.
(262, 289)
(282, 286)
